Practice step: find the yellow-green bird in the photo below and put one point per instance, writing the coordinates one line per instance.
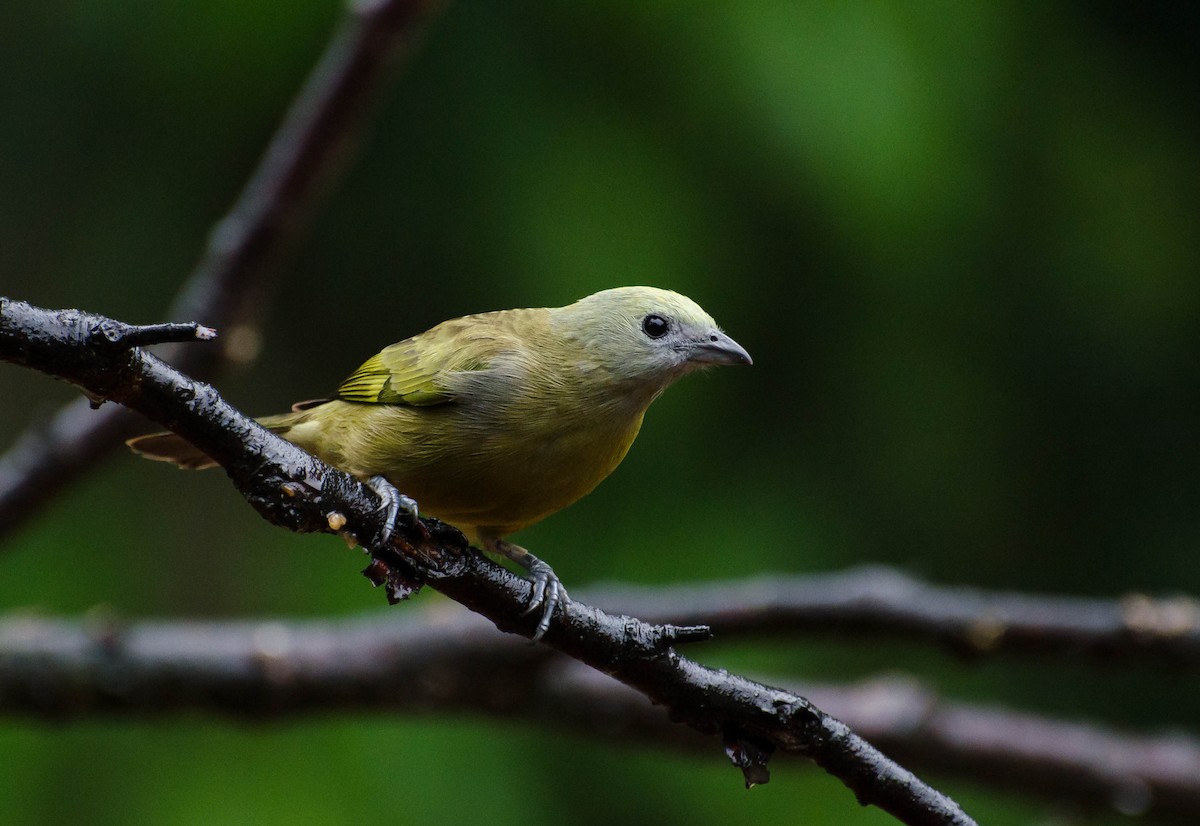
(494, 421)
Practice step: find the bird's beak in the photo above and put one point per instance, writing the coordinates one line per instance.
(718, 348)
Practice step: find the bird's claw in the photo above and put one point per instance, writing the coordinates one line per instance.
(393, 503)
(548, 593)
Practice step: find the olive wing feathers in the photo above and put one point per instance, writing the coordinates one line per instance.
(420, 371)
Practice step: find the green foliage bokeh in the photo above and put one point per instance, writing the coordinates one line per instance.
(961, 240)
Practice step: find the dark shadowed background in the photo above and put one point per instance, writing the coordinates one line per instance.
(961, 241)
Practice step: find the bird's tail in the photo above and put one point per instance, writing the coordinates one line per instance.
(170, 447)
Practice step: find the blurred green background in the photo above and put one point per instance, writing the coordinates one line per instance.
(961, 240)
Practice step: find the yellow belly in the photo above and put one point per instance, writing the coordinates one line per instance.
(479, 477)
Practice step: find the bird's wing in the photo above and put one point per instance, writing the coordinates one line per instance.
(418, 371)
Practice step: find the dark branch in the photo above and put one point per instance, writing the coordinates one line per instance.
(295, 490)
(1026, 753)
(227, 287)
(121, 336)
(876, 601)
(56, 669)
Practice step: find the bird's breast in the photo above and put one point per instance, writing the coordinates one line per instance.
(523, 465)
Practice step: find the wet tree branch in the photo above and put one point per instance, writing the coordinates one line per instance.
(295, 490)
(228, 285)
(270, 669)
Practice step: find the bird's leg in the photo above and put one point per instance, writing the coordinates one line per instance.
(393, 502)
(548, 590)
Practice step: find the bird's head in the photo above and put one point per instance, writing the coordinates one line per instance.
(644, 333)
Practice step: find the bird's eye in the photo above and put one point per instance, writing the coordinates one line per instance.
(655, 325)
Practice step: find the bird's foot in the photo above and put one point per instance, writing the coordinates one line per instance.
(393, 503)
(548, 591)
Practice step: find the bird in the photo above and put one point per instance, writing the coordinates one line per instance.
(494, 421)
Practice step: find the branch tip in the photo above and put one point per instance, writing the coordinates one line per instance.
(123, 336)
(681, 634)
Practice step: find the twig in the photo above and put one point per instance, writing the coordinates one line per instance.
(121, 336)
(58, 669)
(226, 288)
(292, 488)
(877, 601)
